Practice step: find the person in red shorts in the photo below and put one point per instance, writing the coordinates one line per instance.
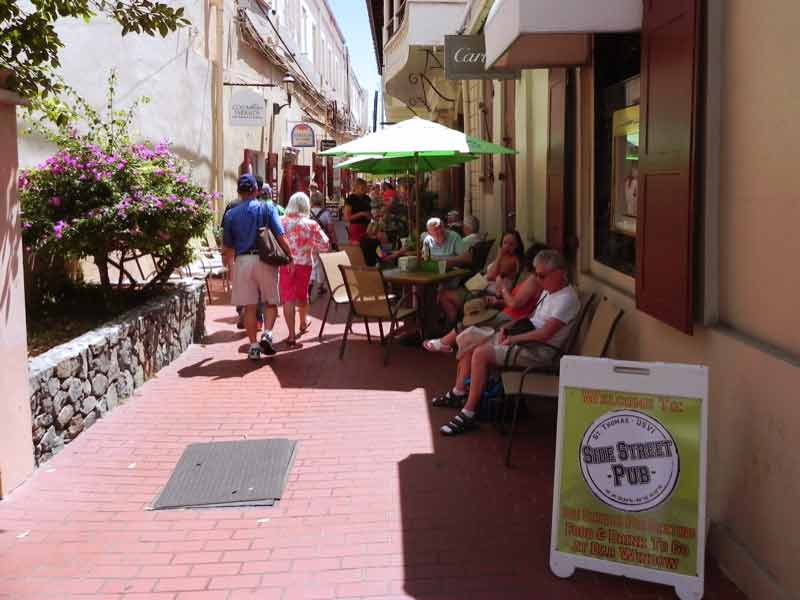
(305, 238)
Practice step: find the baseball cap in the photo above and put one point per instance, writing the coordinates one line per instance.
(266, 190)
(247, 183)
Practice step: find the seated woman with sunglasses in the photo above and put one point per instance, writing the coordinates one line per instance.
(550, 322)
(516, 304)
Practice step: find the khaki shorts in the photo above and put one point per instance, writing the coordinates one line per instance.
(254, 282)
(522, 357)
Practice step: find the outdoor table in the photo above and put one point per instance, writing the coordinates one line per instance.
(422, 281)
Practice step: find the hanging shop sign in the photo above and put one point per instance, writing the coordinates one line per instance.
(326, 145)
(247, 109)
(302, 135)
(630, 487)
(465, 58)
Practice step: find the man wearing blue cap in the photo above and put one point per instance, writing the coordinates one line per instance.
(253, 280)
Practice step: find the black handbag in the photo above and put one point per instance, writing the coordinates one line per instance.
(269, 251)
(519, 327)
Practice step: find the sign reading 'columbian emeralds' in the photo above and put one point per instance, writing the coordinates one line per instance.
(629, 495)
(248, 109)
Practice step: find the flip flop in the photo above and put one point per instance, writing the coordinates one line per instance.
(436, 345)
(293, 344)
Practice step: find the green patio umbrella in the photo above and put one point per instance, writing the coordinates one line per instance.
(417, 144)
(392, 163)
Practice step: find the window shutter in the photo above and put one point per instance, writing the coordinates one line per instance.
(556, 138)
(247, 163)
(670, 45)
(272, 169)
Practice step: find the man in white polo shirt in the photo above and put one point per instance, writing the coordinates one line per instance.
(550, 323)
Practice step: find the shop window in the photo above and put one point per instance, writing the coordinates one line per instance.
(617, 65)
(625, 170)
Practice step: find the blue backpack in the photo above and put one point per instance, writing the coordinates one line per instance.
(490, 400)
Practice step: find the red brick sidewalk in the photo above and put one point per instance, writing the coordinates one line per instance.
(379, 505)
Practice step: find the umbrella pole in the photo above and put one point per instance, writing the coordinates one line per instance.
(409, 200)
(419, 206)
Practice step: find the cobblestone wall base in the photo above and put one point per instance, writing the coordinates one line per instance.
(74, 384)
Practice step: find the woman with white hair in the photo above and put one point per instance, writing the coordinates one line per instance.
(305, 238)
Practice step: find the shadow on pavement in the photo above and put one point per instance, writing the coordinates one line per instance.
(223, 337)
(220, 369)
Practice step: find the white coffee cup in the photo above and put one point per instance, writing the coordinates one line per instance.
(442, 266)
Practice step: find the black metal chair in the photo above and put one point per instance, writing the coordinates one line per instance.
(542, 381)
(480, 254)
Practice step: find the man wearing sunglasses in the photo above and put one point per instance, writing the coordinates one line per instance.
(549, 323)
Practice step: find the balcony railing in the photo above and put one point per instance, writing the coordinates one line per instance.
(395, 20)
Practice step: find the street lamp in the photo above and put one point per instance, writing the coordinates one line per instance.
(289, 82)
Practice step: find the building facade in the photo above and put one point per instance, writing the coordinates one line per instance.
(194, 75)
(408, 36)
(651, 145)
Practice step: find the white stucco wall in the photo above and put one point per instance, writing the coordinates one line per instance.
(175, 72)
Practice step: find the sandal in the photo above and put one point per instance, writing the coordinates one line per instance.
(436, 346)
(449, 400)
(293, 344)
(459, 424)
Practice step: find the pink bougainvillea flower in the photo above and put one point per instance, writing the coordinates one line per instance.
(55, 201)
(163, 235)
(58, 229)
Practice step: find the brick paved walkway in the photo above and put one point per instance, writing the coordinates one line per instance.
(378, 504)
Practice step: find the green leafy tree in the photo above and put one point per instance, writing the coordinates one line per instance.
(104, 196)
(29, 43)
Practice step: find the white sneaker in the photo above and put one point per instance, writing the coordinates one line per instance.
(254, 353)
(266, 344)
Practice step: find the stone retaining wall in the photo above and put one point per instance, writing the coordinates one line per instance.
(77, 383)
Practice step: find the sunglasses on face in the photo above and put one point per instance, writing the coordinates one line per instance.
(540, 275)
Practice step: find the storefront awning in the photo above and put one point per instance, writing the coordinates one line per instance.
(525, 34)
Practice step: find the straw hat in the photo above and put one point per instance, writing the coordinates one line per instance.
(475, 311)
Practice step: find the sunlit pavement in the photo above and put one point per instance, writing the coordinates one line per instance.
(378, 504)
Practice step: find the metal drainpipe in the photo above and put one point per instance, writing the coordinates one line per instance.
(218, 100)
(347, 83)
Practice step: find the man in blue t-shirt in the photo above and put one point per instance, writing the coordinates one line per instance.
(253, 280)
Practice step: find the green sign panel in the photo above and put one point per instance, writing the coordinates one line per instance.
(630, 473)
